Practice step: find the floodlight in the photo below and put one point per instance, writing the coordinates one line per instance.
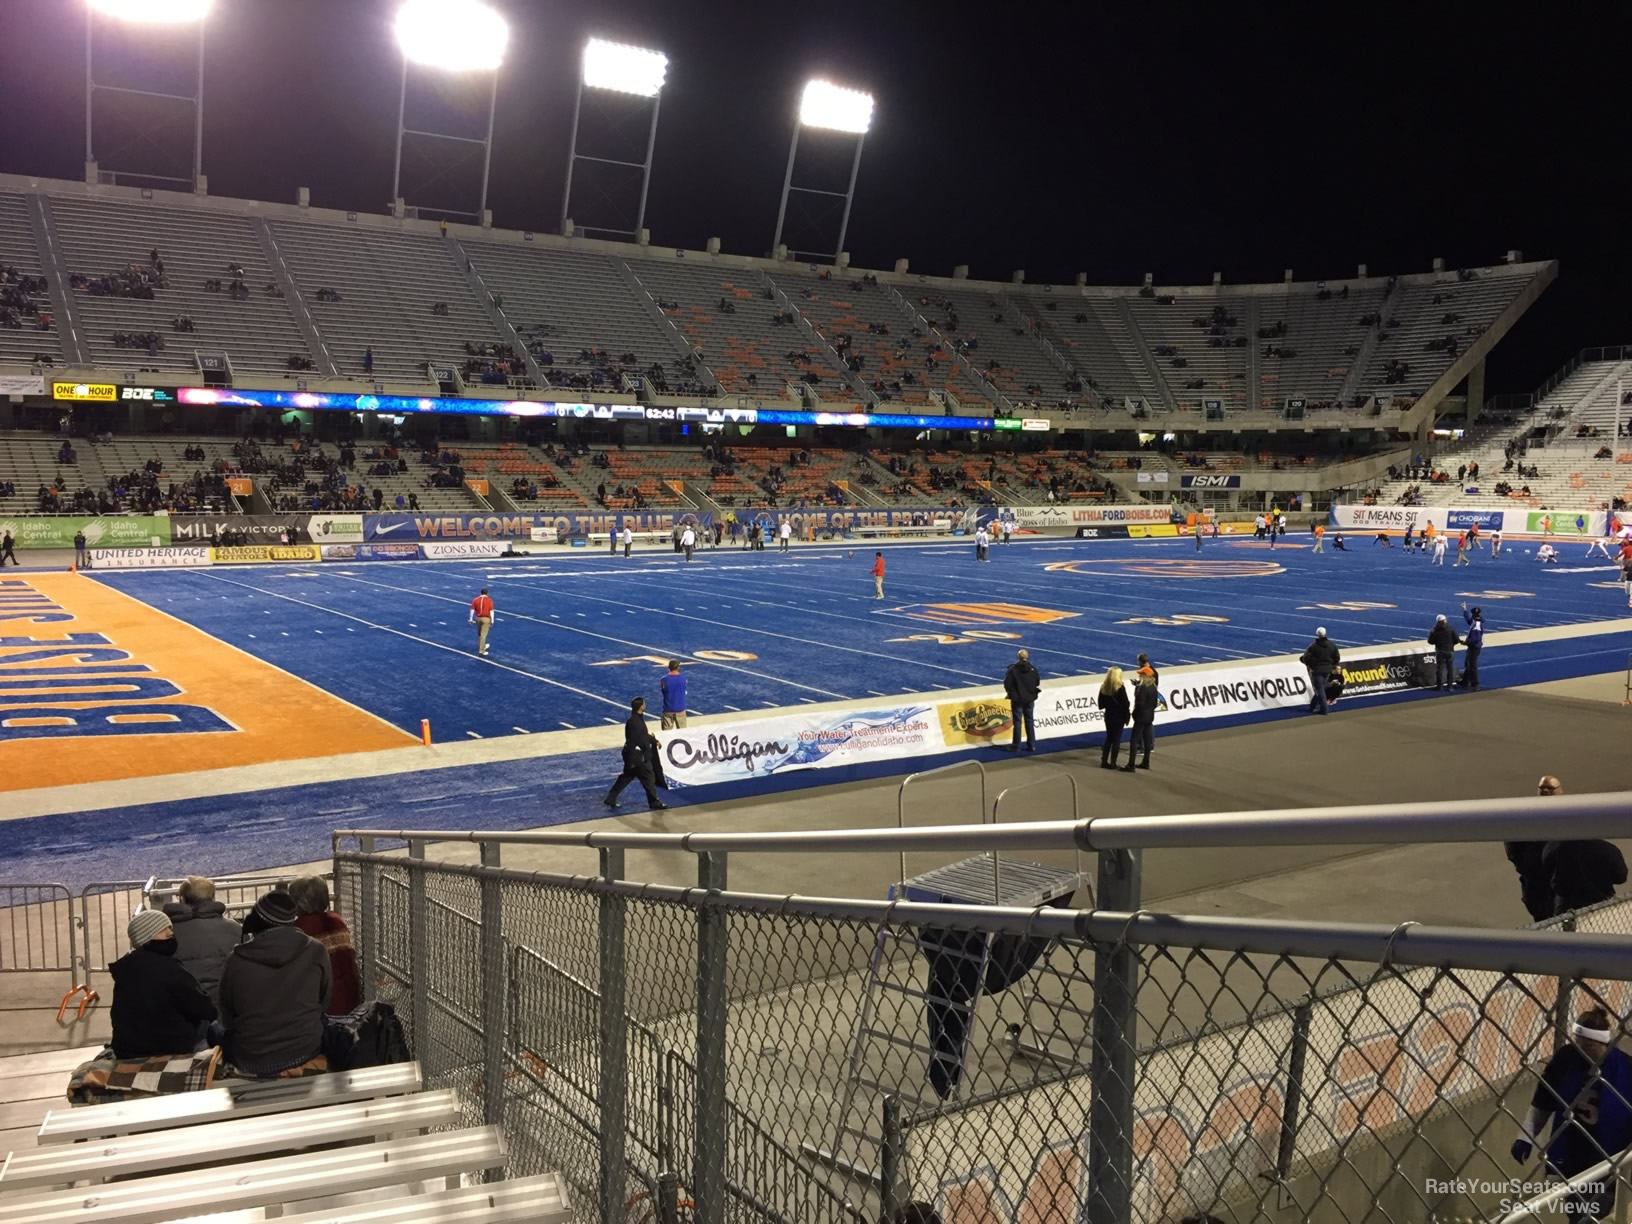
(155, 12)
(624, 69)
(826, 105)
(454, 35)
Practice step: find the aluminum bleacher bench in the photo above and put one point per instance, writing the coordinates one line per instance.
(234, 1099)
(533, 1200)
(238, 1140)
(266, 1183)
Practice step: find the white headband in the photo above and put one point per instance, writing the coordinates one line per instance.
(1602, 1036)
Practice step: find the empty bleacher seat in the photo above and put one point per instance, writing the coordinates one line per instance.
(196, 244)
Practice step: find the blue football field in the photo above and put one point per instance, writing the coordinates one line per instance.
(579, 634)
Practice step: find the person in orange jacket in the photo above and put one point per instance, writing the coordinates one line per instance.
(878, 575)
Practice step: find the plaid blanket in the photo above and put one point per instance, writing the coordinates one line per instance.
(316, 1065)
(109, 1078)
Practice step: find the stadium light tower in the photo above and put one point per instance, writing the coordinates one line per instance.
(828, 107)
(459, 36)
(633, 72)
(156, 14)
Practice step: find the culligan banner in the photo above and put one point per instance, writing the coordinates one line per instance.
(758, 748)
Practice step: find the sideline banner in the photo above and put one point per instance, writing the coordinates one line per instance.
(1513, 521)
(1387, 518)
(1144, 531)
(386, 552)
(260, 528)
(546, 527)
(1043, 516)
(438, 550)
(1095, 516)
(103, 531)
(260, 554)
(1103, 533)
(1561, 522)
(1219, 693)
(758, 748)
(22, 384)
(149, 558)
(335, 528)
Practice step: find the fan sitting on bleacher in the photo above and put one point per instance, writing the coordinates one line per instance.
(158, 1007)
(274, 992)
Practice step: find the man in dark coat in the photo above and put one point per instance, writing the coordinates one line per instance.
(1321, 658)
(205, 936)
(639, 749)
(1021, 683)
(157, 1006)
(1444, 640)
(1143, 739)
(1566, 875)
(274, 991)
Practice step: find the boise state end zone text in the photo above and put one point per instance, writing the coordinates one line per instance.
(111, 693)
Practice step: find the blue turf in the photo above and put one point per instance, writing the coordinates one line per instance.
(393, 639)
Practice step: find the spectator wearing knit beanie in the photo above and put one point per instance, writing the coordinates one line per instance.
(274, 990)
(157, 1006)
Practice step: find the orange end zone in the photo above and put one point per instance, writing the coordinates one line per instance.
(97, 686)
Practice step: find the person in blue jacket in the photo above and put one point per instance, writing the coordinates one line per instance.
(1585, 1095)
(1475, 641)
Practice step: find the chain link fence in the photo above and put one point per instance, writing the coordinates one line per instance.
(805, 1061)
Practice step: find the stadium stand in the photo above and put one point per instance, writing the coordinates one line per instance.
(195, 247)
(1454, 307)
(24, 292)
(576, 314)
(387, 285)
(1318, 338)
(1198, 338)
(1569, 473)
(1098, 340)
(999, 342)
(31, 462)
(848, 314)
(747, 350)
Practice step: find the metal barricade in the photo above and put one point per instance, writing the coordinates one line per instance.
(37, 933)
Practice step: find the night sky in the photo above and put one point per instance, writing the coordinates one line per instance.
(1175, 139)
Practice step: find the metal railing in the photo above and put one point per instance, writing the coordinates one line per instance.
(811, 1059)
(49, 929)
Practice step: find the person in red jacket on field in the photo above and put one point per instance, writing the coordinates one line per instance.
(878, 575)
(481, 615)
